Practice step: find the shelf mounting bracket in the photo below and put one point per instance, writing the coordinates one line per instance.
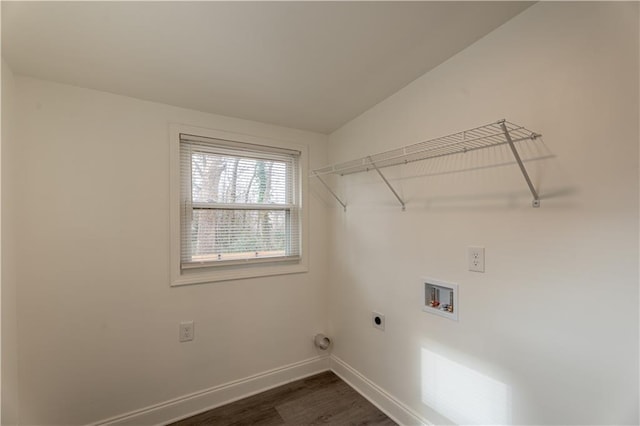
(344, 206)
(536, 198)
(386, 182)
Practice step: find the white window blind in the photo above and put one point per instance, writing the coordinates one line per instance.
(240, 203)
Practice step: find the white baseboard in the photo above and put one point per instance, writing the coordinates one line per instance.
(188, 405)
(397, 411)
(207, 399)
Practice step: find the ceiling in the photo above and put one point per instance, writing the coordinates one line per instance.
(306, 65)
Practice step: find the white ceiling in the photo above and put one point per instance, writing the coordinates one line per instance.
(307, 65)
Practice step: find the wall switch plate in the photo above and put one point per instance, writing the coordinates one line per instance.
(476, 259)
(186, 331)
(377, 320)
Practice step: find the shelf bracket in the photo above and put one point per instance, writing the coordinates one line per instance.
(536, 198)
(344, 206)
(386, 182)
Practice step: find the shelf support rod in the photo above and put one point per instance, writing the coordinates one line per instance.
(386, 182)
(344, 206)
(536, 198)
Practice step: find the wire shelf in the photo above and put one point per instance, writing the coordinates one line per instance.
(501, 132)
(468, 140)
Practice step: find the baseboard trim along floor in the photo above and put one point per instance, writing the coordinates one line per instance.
(321, 399)
(207, 399)
(383, 400)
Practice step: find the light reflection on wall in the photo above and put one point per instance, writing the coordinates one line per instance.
(462, 394)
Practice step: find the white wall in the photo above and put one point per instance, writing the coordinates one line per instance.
(97, 320)
(551, 327)
(8, 231)
(549, 334)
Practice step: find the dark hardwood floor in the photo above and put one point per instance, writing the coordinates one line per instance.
(320, 399)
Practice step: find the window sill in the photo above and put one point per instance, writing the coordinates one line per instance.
(190, 277)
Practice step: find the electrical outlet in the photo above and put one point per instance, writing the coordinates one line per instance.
(476, 259)
(186, 331)
(377, 320)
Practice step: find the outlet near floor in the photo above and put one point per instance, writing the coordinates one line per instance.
(186, 331)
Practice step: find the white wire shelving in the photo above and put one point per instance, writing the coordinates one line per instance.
(490, 135)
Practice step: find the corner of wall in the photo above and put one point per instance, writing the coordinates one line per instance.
(9, 370)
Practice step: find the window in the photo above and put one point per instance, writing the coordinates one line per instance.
(240, 208)
(240, 203)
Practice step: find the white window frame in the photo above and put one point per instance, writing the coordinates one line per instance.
(180, 276)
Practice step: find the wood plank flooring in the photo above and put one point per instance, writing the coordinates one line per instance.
(316, 400)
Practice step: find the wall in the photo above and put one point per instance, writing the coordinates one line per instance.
(8, 231)
(549, 333)
(97, 319)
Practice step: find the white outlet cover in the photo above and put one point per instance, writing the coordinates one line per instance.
(186, 333)
(475, 259)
